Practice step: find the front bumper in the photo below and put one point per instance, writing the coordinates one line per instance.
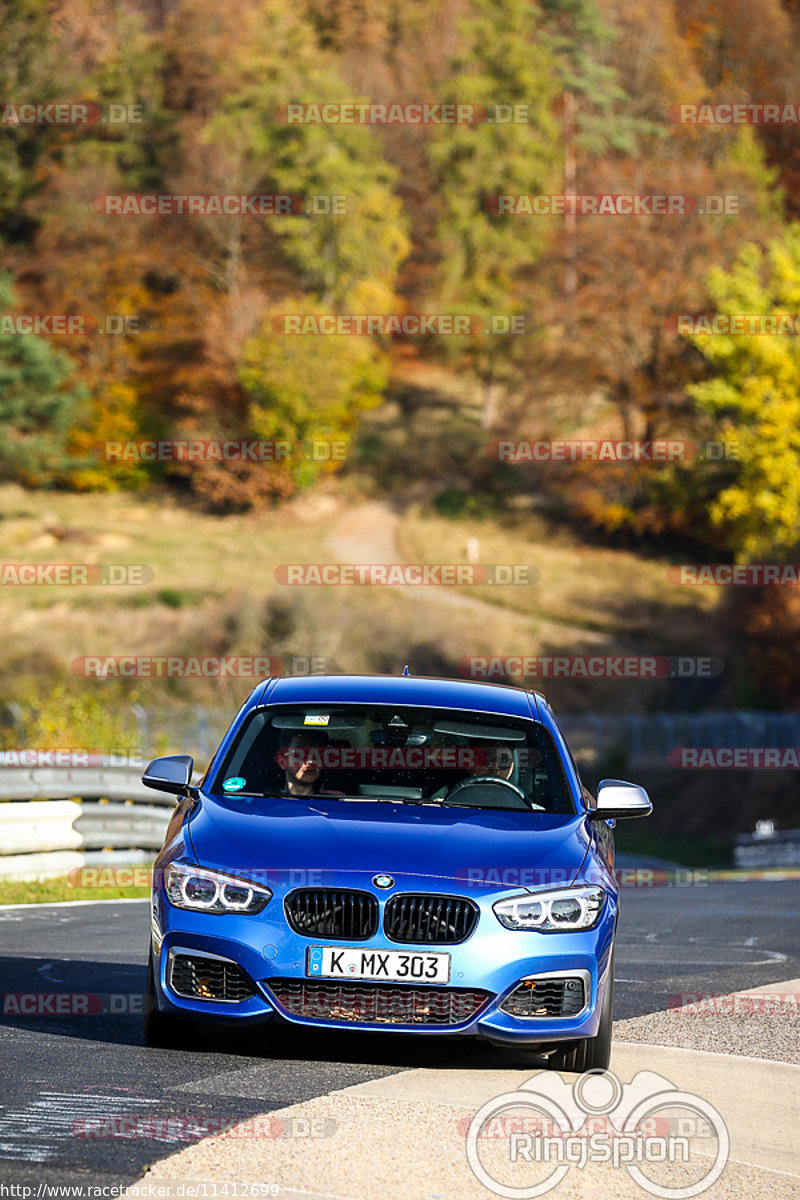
(493, 960)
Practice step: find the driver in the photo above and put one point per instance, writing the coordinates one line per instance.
(491, 760)
(301, 761)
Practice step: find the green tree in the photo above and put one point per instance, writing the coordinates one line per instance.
(342, 262)
(40, 402)
(307, 387)
(349, 258)
(483, 256)
(578, 38)
(27, 74)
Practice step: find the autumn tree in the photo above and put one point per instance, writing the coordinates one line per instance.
(754, 396)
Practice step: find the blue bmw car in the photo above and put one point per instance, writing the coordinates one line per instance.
(390, 853)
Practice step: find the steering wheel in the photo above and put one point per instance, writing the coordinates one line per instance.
(498, 781)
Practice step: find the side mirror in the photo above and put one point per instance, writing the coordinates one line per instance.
(172, 773)
(616, 798)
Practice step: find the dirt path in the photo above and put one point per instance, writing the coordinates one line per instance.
(368, 534)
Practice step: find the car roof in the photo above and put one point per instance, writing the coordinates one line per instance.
(415, 690)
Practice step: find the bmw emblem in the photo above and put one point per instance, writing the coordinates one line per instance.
(383, 881)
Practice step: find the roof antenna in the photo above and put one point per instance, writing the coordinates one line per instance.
(405, 669)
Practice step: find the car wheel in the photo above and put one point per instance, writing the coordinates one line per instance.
(160, 1029)
(589, 1054)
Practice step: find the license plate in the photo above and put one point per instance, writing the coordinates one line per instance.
(396, 966)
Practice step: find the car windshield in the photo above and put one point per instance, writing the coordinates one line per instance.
(403, 755)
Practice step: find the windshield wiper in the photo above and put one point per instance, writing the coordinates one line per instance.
(379, 800)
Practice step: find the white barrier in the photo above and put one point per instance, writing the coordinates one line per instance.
(121, 826)
(54, 819)
(31, 828)
(86, 783)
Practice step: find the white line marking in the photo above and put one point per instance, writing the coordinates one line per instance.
(777, 1062)
(31, 1133)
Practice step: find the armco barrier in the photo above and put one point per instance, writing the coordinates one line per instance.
(88, 783)
(53, 820)
(34, 828)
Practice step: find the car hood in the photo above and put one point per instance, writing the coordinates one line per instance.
(339, 843)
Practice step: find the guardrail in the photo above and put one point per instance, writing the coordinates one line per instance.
(109, 782)
(644, 742)
(53, 820)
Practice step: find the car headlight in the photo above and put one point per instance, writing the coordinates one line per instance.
(565, 909)
(199, 889)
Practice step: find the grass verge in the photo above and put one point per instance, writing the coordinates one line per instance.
(46, 891)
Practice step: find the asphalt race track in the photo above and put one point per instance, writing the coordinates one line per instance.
(59, 1070)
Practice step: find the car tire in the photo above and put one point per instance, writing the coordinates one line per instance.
(160, 1029)
(589, 1054)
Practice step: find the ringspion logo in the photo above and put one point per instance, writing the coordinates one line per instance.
(645, 1124)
